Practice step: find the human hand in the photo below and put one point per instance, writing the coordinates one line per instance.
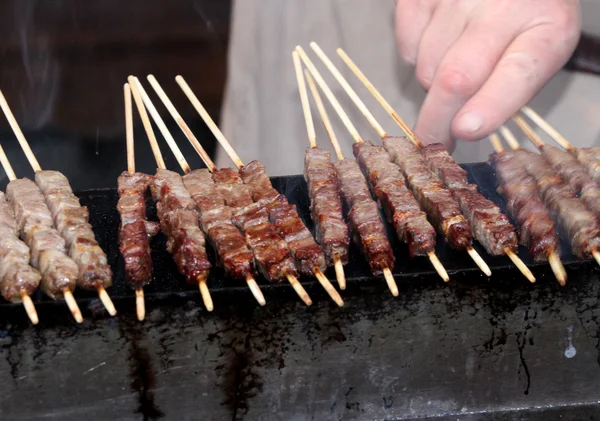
(482, 60)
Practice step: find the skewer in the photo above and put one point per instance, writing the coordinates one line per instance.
(539, 143)
(140, 304)
(360, 75)
(437, 265)
(409, 133)
(68, 295)
(251, 282)
(387, 273)
(209, 122)
(546, 127)
(553, 258)
(142, 100)
(25, 298)
(181, 123)
(522, 266)
(239, 164)
(312, 140)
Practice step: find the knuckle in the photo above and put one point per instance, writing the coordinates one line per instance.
(521, 64)
(424, 76)
(454, 80)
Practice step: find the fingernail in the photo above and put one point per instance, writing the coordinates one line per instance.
(470, 122)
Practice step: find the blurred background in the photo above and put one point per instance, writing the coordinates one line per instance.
(63, 64)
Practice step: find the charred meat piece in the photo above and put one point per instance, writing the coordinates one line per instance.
(36, 229)
(363, 216)
(271, 254)
(72, 222)
(179, 221)
(437, 201)
(215, 220)
(400, 206)
(490, 226)
(331, 230)
(581, 225)
(538, 231)
(16, 275)
(307, 254)
(135, 231)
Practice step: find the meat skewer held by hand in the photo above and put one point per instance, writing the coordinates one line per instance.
(447, 181)
(581, 225)
(72, 223)
(135, 231)
(568, 168)
(363, 215)
(538, 231)
(177, 210)
(18, 280)
(588, 157)
(389, 186)
(325, 201)
(215, 216)
(285, 223)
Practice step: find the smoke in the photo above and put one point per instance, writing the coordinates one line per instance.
(41, 69)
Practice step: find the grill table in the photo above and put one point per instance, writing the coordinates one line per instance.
(476, 348)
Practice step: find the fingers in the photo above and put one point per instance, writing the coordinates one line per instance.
(412, 17)
(444, 28)
(461, 73)
(528, 63)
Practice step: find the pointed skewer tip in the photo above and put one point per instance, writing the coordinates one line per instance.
(29, 308)
(206, 298)
(140, 305)
(299, 289)
(105, 298)
(326, 284)
(391, 282)
(72, 304)
(339, 272)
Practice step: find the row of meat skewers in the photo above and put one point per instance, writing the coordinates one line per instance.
(253, 228)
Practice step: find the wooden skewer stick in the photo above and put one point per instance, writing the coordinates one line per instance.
(557, 268)
(377, 127)
(29, 307)
(310, 126)
(72, 304)
(140, 305)
(545, 126)
(25, 299)
(529, 132)
(472, 252)
(312, 139)
(139, 96)
(335, 296)
(209, 122)
(326, 122)
(360, 75)
(519, 264)
(236, 160)
(182, 124)
(129, 129)
(553, 258)
(207, 161)
(162, 127)
(36, 167)
(387, 273)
